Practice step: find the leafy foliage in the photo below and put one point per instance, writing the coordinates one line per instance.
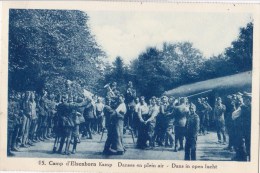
(50, 46)
(160, 70)
(241, 50)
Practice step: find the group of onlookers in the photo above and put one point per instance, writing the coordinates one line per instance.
(164, 121)
(30, 119)
(35, 117)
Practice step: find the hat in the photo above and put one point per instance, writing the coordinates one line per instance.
(142, 97)
(164, 97)
(153, 97)
(239, 93)
(218, 98)
(248, 95)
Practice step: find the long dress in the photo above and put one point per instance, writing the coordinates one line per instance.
(117, 143)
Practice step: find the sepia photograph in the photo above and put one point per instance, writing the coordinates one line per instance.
(129, 85)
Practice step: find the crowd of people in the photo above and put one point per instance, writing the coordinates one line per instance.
(164, 121)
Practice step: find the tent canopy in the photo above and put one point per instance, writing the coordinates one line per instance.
(237, 81)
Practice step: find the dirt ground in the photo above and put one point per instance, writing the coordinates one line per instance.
(207, 149)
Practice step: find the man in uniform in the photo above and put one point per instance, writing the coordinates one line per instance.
(43, 116)
(89, 115)
(219, 111)
(230, 108)
(192, 130)
(13, 112)
(130, 102)
(199, 111)
(78, 118)
(115, 90)
(16, 108)
(246, 116)
(51, 113)
(237, 116)
(26, 120)
(205, 116)
(33, 119)
(110, 115)
(64, 111)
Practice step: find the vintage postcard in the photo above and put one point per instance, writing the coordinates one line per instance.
(129, 86)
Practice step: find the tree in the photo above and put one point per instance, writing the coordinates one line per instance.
(235, 59)
(119, 69)
(45, 45)
(241, 50)
(116, 72)
(160, 70)
(151, 74)
(184, 62)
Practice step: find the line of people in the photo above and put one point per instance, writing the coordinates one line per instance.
(164, 121)
(30, 119)
(34, 117)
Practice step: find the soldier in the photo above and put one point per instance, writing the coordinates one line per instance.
(192, 130)
(89, 115)
(206, 108)
(33, 119)
(237, 116)
(199, 111)
(230, 107)
(112, 93)
(219, 111)
(130, 102)
(51, 113)
(110, 115)
(64, 111)
(115, 90)
(181, 112)
(18, 125)
(43, 116)
(246, 116)
(78, 118)
(12, 120)
(207, 112)
(26, 120)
